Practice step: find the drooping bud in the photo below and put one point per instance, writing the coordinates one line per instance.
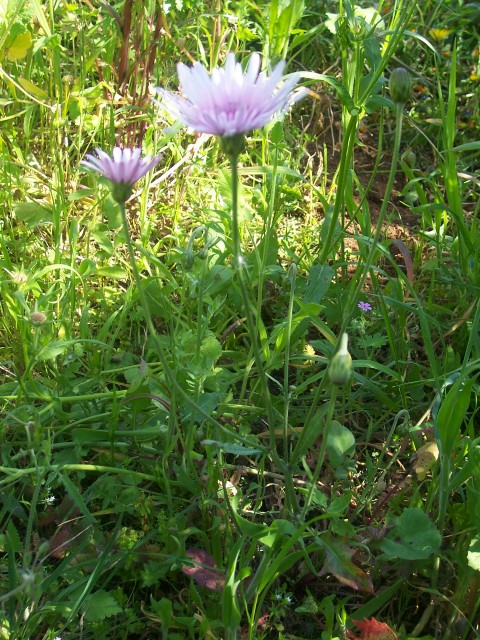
(400, 85)
(340, 369)
(188, 258)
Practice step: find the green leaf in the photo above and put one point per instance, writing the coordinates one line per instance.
(319, 280)
(230, 447)
(32, 88)
(211, 348)
(414, 537)
(338, 560)
(18, 47)
(87, 267)
(218, 279)
(115, 272)
(77, 499)
(53, 349)
(342, 92)
(12, 539)
(32, 214)
(100, 605)
(340, 444)
(467, 146)
(452, 413)
(112, 213)
(102, 236)
(164, 610)
(208, 401)
(473, 556)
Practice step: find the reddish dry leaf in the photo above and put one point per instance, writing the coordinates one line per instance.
(204, 570)
(62, 541)
(372, 630)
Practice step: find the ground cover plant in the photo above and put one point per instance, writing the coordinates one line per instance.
(239, 324)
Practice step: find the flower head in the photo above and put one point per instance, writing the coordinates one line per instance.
(123, 168)
(364, 306)
(230, 102)
(37, 318)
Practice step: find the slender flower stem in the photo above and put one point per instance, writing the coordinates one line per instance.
(166, 365)
(239, 264)
(347, 150)
(286, 367)
(323, 450)
(381, 217)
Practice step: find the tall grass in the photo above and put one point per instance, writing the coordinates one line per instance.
(176, 460)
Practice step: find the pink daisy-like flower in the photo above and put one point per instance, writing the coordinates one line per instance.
(123, 168)
(229, 102)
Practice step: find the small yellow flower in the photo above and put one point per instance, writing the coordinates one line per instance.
(308, 350)
(439, 34)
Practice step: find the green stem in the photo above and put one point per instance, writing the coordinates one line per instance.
(381, 217)
(344, 168)
(323, 450)
(166, 365)
(286, 366)
(14, 474)
(239, 264)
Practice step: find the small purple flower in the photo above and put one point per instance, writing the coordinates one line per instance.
(123, 169)
(230, 102)
(365, 306)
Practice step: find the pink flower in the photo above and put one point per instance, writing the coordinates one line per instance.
(229, 102)
(125, 166)
(123, 169)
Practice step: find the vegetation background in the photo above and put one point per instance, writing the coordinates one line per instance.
(180, 487)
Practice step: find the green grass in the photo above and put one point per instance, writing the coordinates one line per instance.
(175, 460)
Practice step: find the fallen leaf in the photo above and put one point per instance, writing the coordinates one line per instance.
(372, 630)
(338, 560)
(424, 459)
(204, 570)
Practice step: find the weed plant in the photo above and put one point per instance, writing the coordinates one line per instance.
(244, 403)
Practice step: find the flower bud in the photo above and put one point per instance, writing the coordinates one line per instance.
(340, 369)
(400, 86)
(410, 157)
(188, 258)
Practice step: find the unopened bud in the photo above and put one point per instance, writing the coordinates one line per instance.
(400, 85)
(410, 157)
(340, 369)
(188, 258)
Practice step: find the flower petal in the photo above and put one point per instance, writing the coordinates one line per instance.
(230, 101)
